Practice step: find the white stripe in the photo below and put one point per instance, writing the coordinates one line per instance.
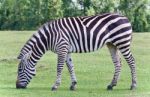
(73, 28)
(56, 35)
(126, 54)
(89, 22)
(128, 43)
(50, 36)
(122, 50)
(86, 17)
(85, 38)
(46, 26)
(52, 42)
(36, 55)
(43, 32)
(121, 40)
(59, 34)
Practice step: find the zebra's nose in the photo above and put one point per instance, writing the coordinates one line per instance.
(19, 85)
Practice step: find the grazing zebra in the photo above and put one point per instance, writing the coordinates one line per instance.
(78, 35)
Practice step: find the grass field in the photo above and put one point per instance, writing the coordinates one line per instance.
(94, 71)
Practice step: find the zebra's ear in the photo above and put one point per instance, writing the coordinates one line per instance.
(27, 56)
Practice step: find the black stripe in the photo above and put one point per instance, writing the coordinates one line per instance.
(61, 27)
(72, 31)
(121, 43)
(32, 59)
(35, 56)
(88, 38)
(75, 27)
(43, 39)
(48, 36)
(100, 38)
(124, 51)
(104, 41)
(36, 50)
(126, 55)
(56, 29)
(119, 22)
(54, 36)
(87, 20)
(27, 46)
(121, 37)
(96, 20)
(121, 48)
(123, 30)
(39, 44)
(51, 40)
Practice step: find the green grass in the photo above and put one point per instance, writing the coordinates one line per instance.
(94, 71)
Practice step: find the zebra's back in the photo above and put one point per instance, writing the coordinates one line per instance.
(87, 34)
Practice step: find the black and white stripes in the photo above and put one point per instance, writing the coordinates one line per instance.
(78, 35)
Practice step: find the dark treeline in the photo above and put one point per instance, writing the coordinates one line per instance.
(30, 14)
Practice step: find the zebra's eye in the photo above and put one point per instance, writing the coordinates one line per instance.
(19, 69)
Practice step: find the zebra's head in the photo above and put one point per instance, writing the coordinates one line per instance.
(25, 70)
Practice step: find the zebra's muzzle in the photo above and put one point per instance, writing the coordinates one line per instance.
(20, 85)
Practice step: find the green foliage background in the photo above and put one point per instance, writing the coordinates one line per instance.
(30, 14)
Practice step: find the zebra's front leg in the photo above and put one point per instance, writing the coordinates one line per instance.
(117, 63)
(70, 66)
(61, 61)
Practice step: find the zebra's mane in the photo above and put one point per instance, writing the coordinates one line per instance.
(24, 51)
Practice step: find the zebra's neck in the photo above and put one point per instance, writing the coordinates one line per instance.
(46, 38)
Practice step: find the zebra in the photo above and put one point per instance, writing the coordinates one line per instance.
(78, 35)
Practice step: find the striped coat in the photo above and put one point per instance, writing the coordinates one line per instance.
(79, 35)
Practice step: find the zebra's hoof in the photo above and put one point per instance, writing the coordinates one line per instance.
(54, 89)
(132, 87)
(109, 87)
(73, 86)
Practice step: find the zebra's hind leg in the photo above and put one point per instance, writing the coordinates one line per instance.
(117, 63)
(125, 50)
(70, 66)
(61, 60)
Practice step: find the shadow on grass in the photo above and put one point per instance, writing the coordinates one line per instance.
(102, 89)
(66, 89)
(28, 88)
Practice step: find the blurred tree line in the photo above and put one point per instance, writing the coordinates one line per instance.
(30, 14)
